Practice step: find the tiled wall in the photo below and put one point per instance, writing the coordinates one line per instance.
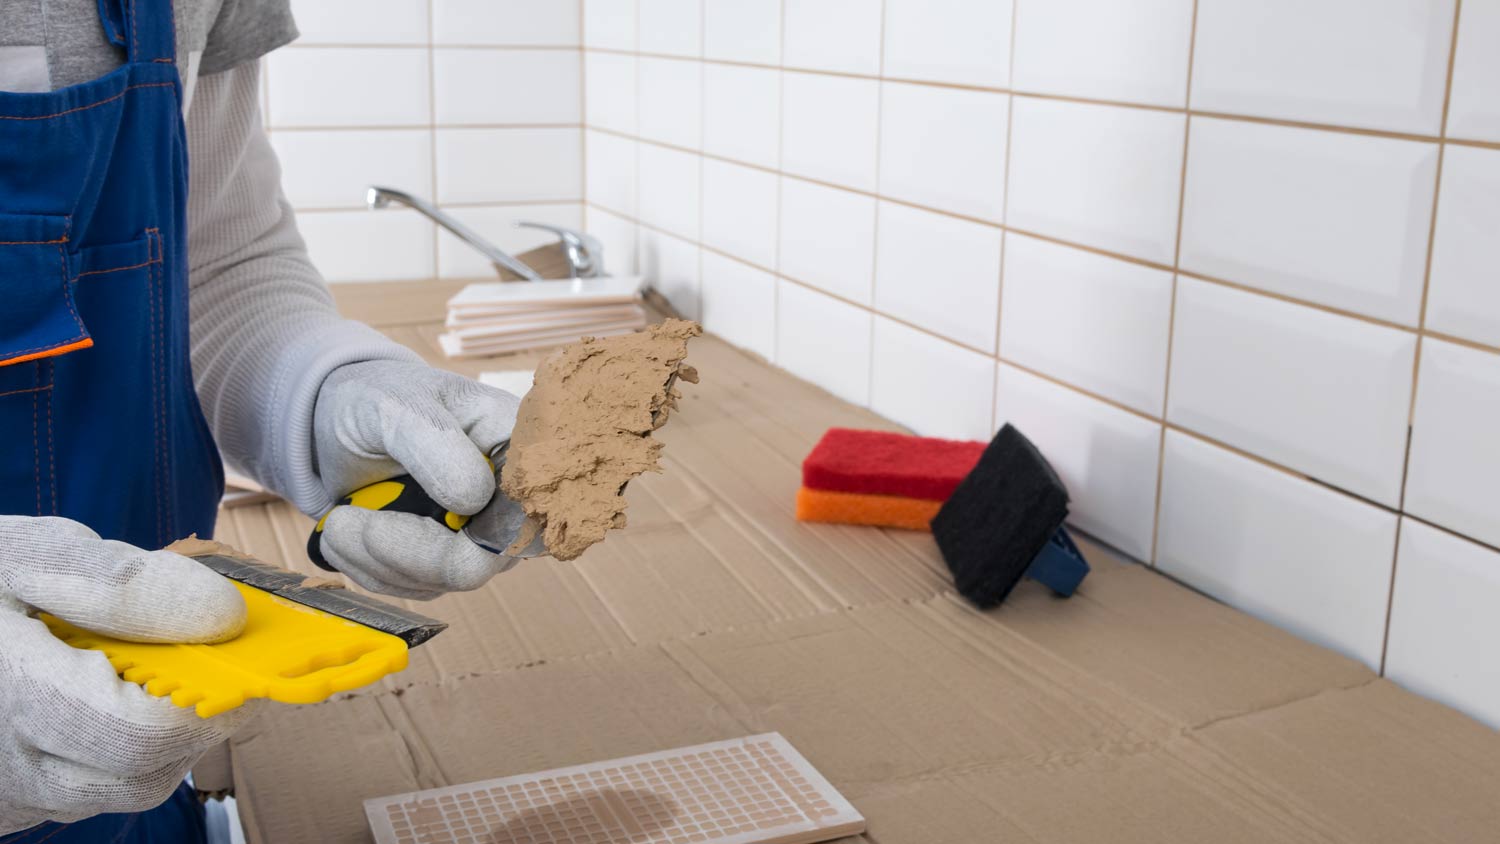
(1217, 258)
(476, 103)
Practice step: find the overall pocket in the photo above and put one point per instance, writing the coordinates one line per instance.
(38, 321)
(37, 317)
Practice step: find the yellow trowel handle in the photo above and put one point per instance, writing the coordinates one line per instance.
(400, 495)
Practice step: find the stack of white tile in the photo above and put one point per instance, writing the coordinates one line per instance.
(498, 317)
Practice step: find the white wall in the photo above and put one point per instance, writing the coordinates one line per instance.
(476, 103)
(1216, 258)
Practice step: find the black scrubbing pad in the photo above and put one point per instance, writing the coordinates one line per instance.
(1000, 518)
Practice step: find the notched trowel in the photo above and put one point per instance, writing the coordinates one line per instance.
(502, 527)
(305, 639)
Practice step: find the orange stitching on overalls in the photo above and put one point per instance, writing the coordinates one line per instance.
(135, 42)
(51, 438)
(36, 452)
(27, 390)
(128, 89)
(157, 295)
(163, 61)
(146, 263)
(63, 239)
(62, 261)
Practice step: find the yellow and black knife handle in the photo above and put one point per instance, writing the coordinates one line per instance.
(399, 495)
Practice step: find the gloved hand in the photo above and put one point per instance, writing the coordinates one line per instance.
(380, 419)
(75, 740)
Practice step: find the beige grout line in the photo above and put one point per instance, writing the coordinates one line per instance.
(702, 191)
(1465, 142)
(418, 127)
(1010, 121)
(432, 134)
(499, 203)
(583, 111)
(875, 229)
(1416, 363)
(394, 45)
(1488, 546)
(1187, 131)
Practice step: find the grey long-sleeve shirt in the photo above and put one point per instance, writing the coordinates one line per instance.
(265, 333)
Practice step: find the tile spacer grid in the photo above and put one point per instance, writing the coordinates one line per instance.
(753, 790)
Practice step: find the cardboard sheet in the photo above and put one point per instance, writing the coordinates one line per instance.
(1136, 711)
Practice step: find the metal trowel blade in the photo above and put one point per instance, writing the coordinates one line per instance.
(502, 521)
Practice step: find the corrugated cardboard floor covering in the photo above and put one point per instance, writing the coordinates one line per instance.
(1136, 711)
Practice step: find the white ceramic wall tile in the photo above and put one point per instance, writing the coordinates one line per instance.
(671, 101)
(1375, 64)
(1443, 621)
(828, 128)
(929, 385)
(610, 171)
(1330, 217)
(670, 264)
(940, 273)
(944, 148)
(841, 35)
(671, 27)
(618, 236)
(610, 94)
(739, 211)
(509, 165)
(1293, 553)
(966, 42)
(507, 86)
(333, 169)
(457, 259)
(366, 246)
(1453, 471)
(1474, 103)
(508, 22)
(739, 304)
(669, 190)
(332, 86)
(742, 30)
(360, 21)
(1104, 49)
(742, 113)
(1324, 394)
(824, 341)
(1106, 457)
(610, 24)
(1099, 323)
(1103, 176)
(1463, 295)
(828, 239)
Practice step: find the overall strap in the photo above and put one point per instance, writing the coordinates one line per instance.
(145, 28)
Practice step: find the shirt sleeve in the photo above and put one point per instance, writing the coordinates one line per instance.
(244, 31)
(265, 332)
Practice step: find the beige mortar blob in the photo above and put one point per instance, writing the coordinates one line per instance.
(584, 430)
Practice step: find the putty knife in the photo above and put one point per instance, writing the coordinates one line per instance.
(494, 528)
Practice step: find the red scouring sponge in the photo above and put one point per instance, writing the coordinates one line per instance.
(883, 463)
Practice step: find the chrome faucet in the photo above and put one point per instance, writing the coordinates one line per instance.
(584, 252)
(378, 197)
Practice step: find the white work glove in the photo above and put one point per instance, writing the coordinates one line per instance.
(75, 740)
(380, 419)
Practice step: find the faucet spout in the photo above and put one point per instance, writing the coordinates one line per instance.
(381, 197)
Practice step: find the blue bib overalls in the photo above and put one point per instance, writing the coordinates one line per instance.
(99, 421)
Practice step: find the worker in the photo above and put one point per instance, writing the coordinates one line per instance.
(157, 300)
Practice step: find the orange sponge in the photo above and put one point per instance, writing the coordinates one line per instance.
(857, 508)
